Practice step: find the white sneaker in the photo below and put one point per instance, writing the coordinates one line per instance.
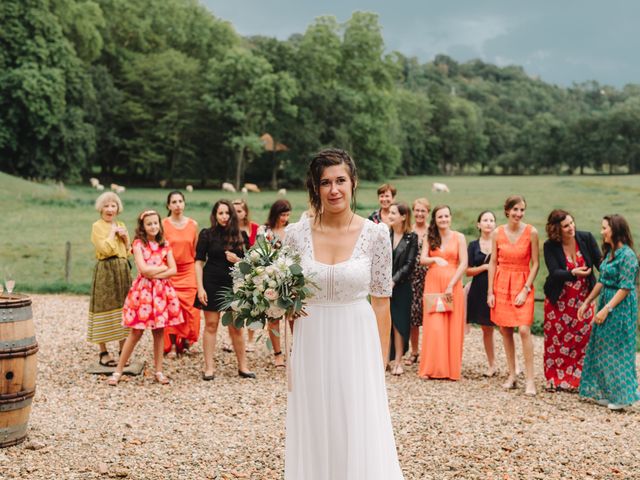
(615, 406)
(604, 403)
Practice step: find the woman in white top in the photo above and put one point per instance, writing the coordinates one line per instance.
(338, 422)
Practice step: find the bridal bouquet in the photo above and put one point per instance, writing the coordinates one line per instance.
(268, 284)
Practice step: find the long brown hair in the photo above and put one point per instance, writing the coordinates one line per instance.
(433, 234)
(140, 233)
(620, 233)
(228, 235)
(278, 208)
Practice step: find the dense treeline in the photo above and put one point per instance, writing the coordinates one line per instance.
(152, 91)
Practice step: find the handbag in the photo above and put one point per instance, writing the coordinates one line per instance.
(437, 303)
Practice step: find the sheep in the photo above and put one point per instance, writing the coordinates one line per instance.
(162, 183)
(227, 187)
(189, 188)
(99, 187)
(282, 192)
(439, 187)
(113, 187)
(120, 189)
(244, 190)
(94, 182)
(252, 187)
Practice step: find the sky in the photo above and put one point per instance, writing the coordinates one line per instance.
(561, 41)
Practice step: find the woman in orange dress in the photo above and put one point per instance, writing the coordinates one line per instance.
(443, 332)
(182, 233)
(512, 269)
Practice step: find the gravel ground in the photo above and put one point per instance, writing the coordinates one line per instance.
(230, 428)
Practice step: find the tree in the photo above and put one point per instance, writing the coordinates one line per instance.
(243, 92)
(44, 93)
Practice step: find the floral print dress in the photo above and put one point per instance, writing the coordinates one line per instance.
(152, 303)
(565, 335)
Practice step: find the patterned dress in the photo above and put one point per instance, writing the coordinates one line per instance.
(609, 371)
(152, 303)
(565, 336)
(417, 289)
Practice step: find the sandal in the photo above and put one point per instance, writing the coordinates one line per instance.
(114, 379)
(226, 347)
(109, 363)
(277, 361)
(161, 378)
(411, 359)
(128, 362)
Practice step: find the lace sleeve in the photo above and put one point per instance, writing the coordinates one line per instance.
(381, 261)
(292, 231)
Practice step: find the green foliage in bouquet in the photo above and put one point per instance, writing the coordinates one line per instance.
(268, 284)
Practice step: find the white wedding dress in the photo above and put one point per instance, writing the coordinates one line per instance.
(338, 423)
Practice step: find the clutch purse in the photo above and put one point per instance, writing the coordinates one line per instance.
(436, 303)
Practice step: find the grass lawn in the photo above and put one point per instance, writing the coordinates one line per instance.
(42, 218)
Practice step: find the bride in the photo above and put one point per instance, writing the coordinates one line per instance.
(338, 423)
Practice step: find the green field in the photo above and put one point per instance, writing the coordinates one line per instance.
(41, 218)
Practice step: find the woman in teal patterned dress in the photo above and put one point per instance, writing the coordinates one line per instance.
(609, 372)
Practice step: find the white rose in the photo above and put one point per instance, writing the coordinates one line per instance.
(271, 294)
(272, 284)
(254, 256)
(259, 270)
(275, 312)
(235, 305)
(260, 288)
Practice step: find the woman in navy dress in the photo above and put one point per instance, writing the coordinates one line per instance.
(479, 252)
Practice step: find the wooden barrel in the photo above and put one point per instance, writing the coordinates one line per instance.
(18, 349)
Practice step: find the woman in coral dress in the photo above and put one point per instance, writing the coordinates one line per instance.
(512, 270)
(443, 332)
(182, 232)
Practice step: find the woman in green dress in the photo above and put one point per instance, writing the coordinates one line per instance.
(609, 372)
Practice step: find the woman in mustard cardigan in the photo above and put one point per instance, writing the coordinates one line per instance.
(111, 277)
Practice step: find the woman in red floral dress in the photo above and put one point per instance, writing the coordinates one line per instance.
(152, 301)
(570, 256)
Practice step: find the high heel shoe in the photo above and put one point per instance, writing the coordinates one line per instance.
(242, 374)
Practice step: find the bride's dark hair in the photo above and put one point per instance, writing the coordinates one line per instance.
(328, 157)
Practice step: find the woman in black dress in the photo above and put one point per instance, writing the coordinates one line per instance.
(404, 245)
(218, 248)
(479, 252)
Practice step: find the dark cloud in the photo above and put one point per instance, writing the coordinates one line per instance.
(561, 41)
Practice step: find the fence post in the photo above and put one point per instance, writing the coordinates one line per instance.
(67, 261)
